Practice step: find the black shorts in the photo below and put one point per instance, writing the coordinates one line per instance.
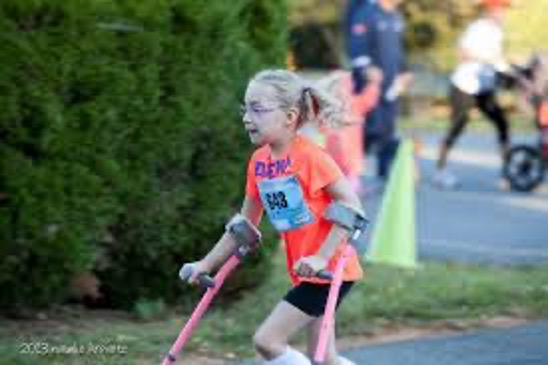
(311, 298)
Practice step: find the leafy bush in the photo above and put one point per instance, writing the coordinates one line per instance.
(121, 147)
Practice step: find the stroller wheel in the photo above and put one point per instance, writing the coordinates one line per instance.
(524, 168)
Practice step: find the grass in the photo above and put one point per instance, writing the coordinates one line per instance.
(388, 297)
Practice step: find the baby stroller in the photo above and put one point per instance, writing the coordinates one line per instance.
(526, 164)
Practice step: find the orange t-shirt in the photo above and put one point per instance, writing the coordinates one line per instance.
(292, 191)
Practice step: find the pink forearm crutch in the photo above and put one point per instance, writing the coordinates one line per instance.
(247, 237)
(356, 223)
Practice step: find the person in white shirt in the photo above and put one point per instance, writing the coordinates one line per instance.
(473, 83)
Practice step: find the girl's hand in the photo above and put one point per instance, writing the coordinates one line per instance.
(374, 75)
(310, 266)
(195, 269)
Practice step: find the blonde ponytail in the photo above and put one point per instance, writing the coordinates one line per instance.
(329, 111)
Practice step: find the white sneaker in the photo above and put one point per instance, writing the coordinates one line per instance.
(444, 179)
(345, 361)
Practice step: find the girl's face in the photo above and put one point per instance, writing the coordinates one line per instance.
(265, 121)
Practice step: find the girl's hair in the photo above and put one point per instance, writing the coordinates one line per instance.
(313, 103)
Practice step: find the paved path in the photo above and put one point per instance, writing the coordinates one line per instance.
(478, 222)
(526, 344)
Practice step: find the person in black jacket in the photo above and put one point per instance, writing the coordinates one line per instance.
(375, 43)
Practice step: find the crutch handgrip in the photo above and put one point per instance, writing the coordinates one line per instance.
(325, 275)
(203, 279)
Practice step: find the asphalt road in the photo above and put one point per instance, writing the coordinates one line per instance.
(520, 345)
(479, 221)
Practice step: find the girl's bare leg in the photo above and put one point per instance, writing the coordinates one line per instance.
(272, 337)
(313, 335)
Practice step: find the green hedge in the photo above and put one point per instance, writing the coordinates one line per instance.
(122, 151)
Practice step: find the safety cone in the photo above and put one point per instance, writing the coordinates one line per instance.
(393, 239)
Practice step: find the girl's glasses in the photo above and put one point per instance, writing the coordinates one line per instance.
(255, 110)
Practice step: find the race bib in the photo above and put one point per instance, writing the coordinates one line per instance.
(284, 203)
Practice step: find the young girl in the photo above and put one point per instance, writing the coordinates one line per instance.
(295, 181)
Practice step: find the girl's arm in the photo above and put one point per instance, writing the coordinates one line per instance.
(342, 192)
(252, 210)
